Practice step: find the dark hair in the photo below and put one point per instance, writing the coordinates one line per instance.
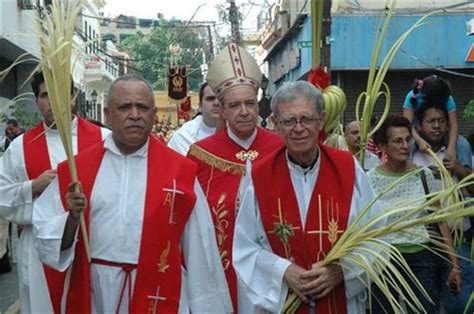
(420, 113)
(38, 79)
(393, 120)
(435, 89)
(12, 122)
(201, 91)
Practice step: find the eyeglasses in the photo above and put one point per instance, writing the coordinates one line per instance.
(292, 122)
(439, 121)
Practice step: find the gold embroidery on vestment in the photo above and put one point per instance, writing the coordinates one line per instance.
(217, 162)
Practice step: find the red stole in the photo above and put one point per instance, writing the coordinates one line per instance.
(36, 154)
(159, 263)
(36, 151)
(221, 166)
(279, 207)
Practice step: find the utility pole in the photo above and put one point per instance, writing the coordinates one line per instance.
(325, 36)
(234, 22)
(211, 45)
(316, 26)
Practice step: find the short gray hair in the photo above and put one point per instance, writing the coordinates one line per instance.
(293, 90)
(126, 78)
(349, 125)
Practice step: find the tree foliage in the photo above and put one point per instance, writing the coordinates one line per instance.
(469, 111)
(26, 117)
(150, 53)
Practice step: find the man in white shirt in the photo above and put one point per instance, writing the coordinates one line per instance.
(296, 204)
(152, 244)
(352, 135)
(434, 128)
(201, 126)
(26, 169)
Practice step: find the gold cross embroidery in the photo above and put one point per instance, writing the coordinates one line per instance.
(283, 230)
(170, 198)
(154, 300)
(332, 222)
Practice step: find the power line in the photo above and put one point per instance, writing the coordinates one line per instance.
(159, 24)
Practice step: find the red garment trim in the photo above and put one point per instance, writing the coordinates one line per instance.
(37, 160)
(278, 206)
(159, 262)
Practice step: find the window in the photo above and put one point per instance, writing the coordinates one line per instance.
(26, 4)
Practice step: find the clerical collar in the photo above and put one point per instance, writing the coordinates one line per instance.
(243, 143)
(304, 168)
(73, 126)
(109, 144)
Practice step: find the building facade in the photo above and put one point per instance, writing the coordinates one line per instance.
(442, 46)
(93, 71)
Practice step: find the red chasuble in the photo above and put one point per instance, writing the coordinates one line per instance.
(221, 166)
(165, 217)
(36, 154)
(327, 216)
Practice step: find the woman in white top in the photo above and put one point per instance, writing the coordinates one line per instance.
(395, 138)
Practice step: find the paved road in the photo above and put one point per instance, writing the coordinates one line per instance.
(9, 289)
(9, 284)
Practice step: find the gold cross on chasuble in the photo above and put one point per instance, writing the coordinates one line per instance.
(154, 301)
(332, 230)
(170, 198)
(283, 230)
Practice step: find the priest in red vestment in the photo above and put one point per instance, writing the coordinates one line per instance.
(298, 202)
(152, 242)
(26, 169)
(225, 157)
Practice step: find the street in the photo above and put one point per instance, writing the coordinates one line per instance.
(9, 298)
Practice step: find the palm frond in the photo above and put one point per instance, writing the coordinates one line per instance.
(368, 99)
(56, 45)
(363, 243)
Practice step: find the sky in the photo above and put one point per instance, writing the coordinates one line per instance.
(180, 9)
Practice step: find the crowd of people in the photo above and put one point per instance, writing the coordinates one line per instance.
(225, 216)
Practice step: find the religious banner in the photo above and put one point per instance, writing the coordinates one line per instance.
(177, 83)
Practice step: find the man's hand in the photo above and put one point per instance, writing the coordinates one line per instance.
(76, 200)
(296, 277)
(76, 203)
(324, 280)
(40, 183)
(457, 169)
(450, 163)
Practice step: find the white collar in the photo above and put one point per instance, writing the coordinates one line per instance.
(73, 126)
(204, 126)
(304, 171)
(243, 143)
(109, 144)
